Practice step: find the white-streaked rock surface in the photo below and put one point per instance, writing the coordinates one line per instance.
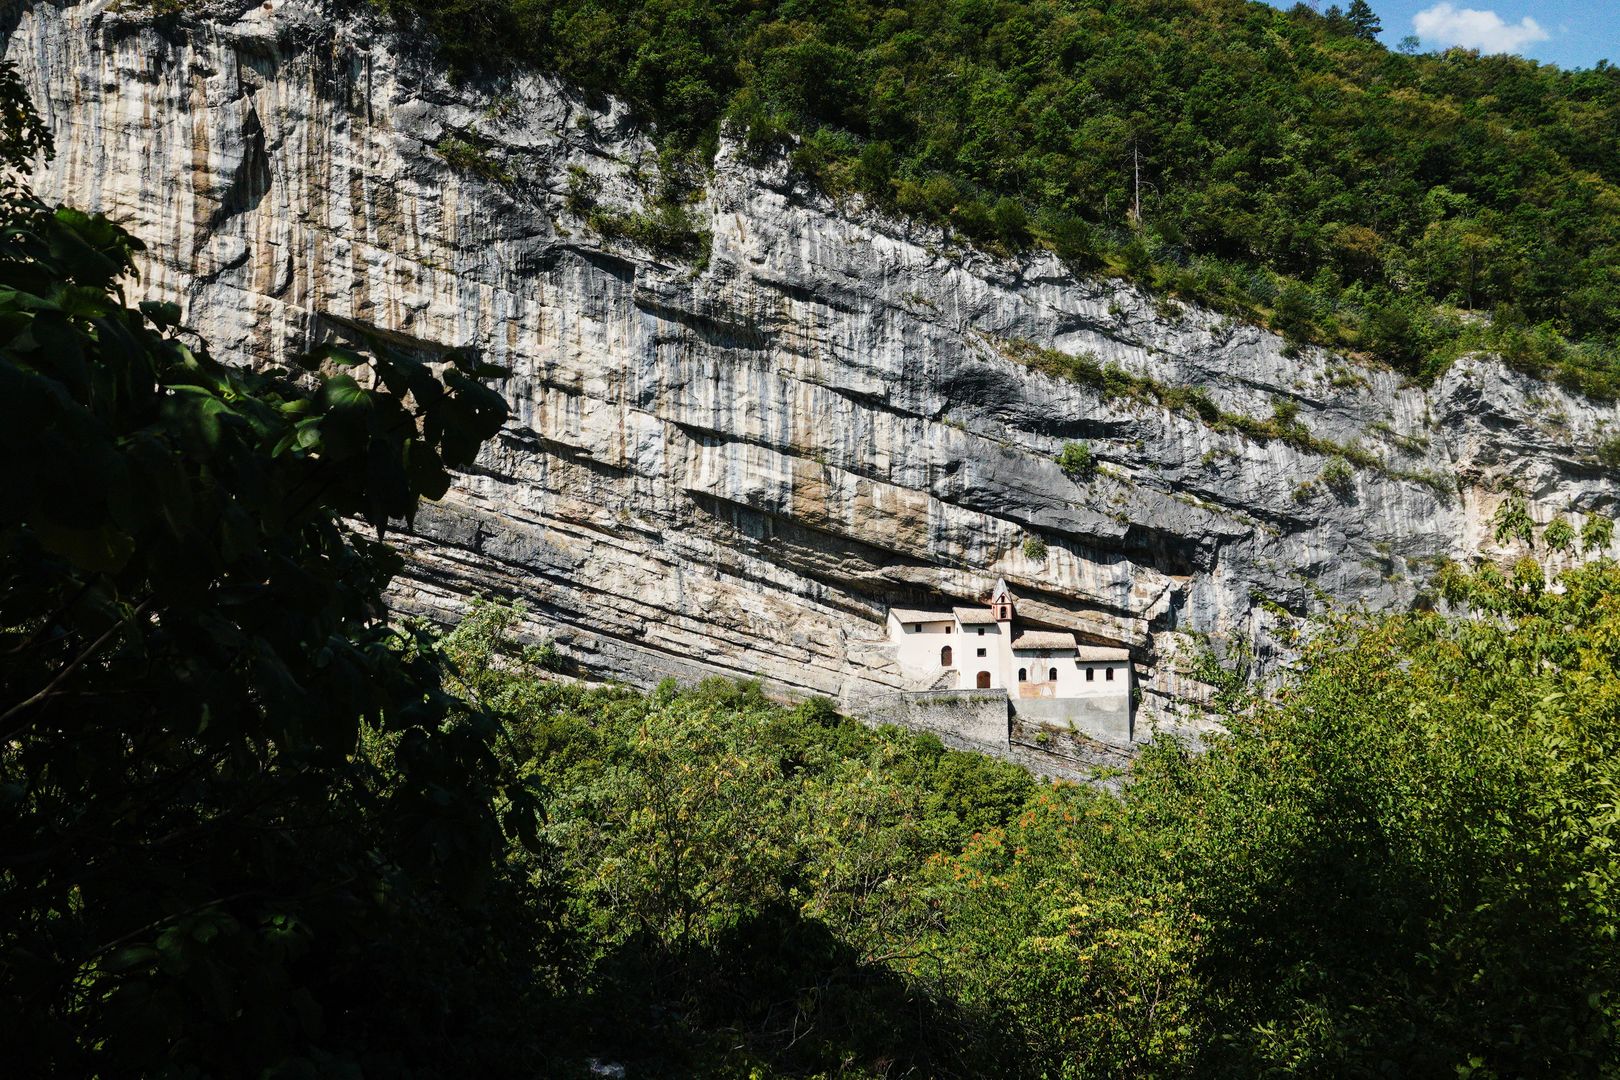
(738, 469)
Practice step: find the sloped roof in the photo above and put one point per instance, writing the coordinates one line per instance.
(1044, 639)
(1102, 652)
(918, 615)
(1000, 590)
(969, 616)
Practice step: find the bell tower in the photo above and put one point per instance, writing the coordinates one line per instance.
(1001, 602)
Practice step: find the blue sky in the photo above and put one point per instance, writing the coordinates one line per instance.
(1569, 33)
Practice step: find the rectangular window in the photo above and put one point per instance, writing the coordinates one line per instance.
(916, 628)
(981, 652)
(1091, 674)
(1110, 674)
(981, 631)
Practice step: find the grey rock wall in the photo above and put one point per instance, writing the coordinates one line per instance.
(963, 719)
(737, 468)
(1103, 718)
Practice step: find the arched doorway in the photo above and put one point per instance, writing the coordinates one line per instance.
(1023, 674)
(945, 657)
(984, 680)
(1051, 675)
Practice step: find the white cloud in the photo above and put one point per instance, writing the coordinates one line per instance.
(1445, 24)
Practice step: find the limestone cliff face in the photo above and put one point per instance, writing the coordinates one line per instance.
(737, 468)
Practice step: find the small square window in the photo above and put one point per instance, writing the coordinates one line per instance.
(981, 631)
(981, 652)
(1110, 674)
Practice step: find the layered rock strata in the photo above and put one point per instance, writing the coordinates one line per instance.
(736, 466)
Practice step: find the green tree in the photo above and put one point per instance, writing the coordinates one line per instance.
(1608, 452)
(1063, 928)
(1137, 258)
(1011, 223)
(1559, 534)
(1364, 22)
(1597, 532)
(1392, 333)
(1293, 314)
(1404, 852)
(1070, 238)
(1341, 869)
(1512, 521)
(681, 837)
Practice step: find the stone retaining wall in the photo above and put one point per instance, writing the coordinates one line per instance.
(963, 719)
(1105, 718)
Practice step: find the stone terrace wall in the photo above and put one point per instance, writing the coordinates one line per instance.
(1105, 718)
(963, 719)
(979, 721)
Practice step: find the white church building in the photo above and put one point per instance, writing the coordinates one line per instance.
(984, 648)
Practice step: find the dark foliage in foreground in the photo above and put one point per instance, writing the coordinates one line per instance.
(198, 868)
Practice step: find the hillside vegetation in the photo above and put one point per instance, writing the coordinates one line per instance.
(1287, 168)
(1404, 863)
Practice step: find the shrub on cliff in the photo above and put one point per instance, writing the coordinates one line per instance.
(1077, 461)
(1338, 477)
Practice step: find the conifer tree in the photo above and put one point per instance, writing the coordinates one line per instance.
(1364, 21)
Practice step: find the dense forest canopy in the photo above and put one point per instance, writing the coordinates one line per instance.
(1402, 864)
(1277, 165)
